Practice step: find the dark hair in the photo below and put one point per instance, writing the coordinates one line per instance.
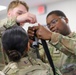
(15, 41)
(57, 12)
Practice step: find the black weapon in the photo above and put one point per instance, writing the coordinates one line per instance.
(35, 45)
(48, 55)
(46, 51)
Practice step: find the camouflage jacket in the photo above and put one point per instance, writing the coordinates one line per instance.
(63, 52)
(5, 23)
(67, 45)
(57, 56)
(29, 65)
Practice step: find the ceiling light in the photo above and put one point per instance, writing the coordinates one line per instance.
(2, 7)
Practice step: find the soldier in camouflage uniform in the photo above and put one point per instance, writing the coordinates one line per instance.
(17, 14)
(58, 22)
(22, 61)
(61, 40)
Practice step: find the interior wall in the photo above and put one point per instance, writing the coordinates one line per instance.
(67, 6)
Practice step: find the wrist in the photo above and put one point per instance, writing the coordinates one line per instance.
(17, 21)
(55, 38)
(50, 35)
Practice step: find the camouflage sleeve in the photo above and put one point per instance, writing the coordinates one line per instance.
(64, 43)
(6, 23)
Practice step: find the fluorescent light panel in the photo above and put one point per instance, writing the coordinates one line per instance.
(2, 7)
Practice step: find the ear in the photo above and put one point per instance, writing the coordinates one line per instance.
(28, 46)
(9, 13)
(66, 20)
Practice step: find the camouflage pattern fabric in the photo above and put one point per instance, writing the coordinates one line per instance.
(31, 66)
(5, 23)
(57, 56)
(63, 52)
(67, 45)
(59, 44)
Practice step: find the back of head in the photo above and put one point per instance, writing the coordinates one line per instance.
(57, 12)
(15, 3)
(15, 42)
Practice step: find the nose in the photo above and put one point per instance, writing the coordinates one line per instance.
(53, 28)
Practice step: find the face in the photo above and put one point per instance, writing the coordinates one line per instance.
(58, 24)
(20, 9)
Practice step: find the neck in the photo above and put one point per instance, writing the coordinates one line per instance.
(67, 33)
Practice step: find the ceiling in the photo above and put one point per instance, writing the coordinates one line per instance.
(31, 3)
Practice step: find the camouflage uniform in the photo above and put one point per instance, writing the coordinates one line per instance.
(56, 55)
(66, 63)
(58, 42)
(5, 23)
(29, 65)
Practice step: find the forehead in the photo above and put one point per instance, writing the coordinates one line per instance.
(51, 17)
(20, 7)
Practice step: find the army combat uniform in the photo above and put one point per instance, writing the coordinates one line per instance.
(67, 45)
(56, 55)
(61, 43)
(29, 65)
(5, 23)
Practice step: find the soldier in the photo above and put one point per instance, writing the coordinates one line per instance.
(17, 13)
(61, 38)
(23, 59)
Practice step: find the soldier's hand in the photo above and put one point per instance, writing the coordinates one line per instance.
(42, 32)
(26, 17)
(30, 32)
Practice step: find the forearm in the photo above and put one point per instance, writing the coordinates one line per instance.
(64, 43)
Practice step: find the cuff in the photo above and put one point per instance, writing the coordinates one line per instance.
(55, 38)
(10, 22)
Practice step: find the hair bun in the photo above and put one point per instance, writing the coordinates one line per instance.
(14, 55)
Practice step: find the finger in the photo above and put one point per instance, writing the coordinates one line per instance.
(34, 20)
(30, 33)
(29, 20)
(30, 28)
(37, 27)
(38, 35)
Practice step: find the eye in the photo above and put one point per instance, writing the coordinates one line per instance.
(54, 21)
(48, 26)
(19, 13)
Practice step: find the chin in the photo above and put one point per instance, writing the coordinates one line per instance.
(57, 31)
